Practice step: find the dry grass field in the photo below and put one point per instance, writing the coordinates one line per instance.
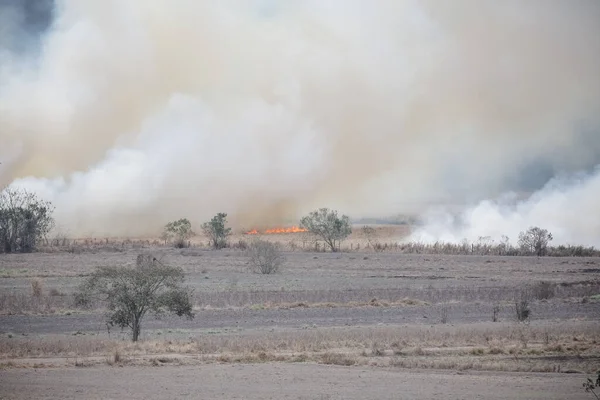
(398, 321)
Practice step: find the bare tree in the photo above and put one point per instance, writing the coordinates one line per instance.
(370, 234)
(130, 293)
(327, 226)
(24, 220)
(535, 240)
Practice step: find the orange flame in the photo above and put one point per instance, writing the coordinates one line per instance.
(292, 229)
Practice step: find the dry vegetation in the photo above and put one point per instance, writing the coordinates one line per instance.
(471, 294)
(367, 239)
(564, 347)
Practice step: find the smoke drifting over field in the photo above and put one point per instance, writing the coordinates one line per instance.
(132, 113)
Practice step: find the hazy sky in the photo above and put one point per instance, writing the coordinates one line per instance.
(128, 114)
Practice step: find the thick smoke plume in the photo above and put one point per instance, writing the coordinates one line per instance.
(132, 113)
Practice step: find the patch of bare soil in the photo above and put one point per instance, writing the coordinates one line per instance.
(281, 381)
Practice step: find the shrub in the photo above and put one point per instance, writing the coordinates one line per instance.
(522, 306)
(370, 234)
(216, 231)
(265, 257)
(325, 224)
(36, 288)
(544, 290)
(55, 292)
(495, 312)
(179, 232)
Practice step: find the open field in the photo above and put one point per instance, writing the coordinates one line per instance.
(397, 320)
(282, 381)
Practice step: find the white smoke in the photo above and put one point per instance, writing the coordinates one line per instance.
(143, 111)
(567, 207)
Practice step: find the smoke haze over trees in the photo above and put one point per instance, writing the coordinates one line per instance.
(482, 117)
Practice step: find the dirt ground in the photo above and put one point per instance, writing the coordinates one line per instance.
(356, 324)
(281, 381)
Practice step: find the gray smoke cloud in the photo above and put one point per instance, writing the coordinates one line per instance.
(566, 206)
(135, 113)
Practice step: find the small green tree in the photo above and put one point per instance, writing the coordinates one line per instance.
(179, 232)
(130, 293)
(24, 220)
(327, 226)
(216, 231)
(535, 240)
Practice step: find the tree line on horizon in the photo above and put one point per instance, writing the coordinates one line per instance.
(26, 220)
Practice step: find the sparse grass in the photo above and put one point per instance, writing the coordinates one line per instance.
(444, 311)
(298, 242)
(20, 303)
(371, 280)
(475, 346)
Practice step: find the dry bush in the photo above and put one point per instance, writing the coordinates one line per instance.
(338, 359)
(265, 257)
(37, 288)
(56, 292)
(377, 350)
(544, 290)
(240, 245)
(495, 312)
(523, 312)
(116, 358)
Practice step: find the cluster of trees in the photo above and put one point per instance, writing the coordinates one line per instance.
(324, 224)
(25, 220)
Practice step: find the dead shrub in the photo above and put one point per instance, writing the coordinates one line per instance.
(337, 359)
(544, 290)
(477, 351)
(241, 245)
(377, 351)
(115, 358)
(523, 312)
(495, 312)
(37, 288)
(265, 257)
(55, 292)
